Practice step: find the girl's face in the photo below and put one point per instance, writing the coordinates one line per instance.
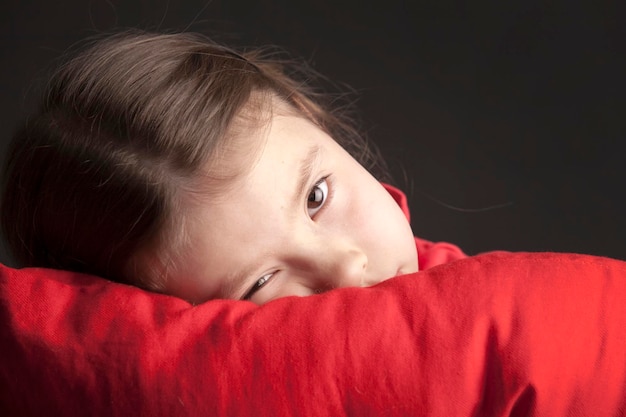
(304, 218)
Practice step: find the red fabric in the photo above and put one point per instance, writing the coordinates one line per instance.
(429, 254)
(494, 335)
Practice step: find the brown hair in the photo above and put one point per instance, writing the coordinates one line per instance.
(98, 172)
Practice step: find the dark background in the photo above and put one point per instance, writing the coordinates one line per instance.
(502, 120)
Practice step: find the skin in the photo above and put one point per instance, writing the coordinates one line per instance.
(303, 218)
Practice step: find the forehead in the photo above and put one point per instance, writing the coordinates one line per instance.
(271, 136)
(248, 133)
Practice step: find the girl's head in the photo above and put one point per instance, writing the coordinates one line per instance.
(181, 166)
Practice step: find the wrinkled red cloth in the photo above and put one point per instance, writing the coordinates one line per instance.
(500, 334)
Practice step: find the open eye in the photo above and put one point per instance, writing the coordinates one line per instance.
(317, 197)
(258, 285)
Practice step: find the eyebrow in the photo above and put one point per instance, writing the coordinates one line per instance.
(307, 166)
(236, 286)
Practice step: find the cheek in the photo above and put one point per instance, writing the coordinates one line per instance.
(378, 218)
(374, 218)
(389, 234)
(393, 230)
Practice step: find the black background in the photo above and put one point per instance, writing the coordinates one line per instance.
(502, 120)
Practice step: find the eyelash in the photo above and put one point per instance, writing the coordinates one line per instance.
(260, 283)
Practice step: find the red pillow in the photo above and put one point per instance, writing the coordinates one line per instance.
(497, 334)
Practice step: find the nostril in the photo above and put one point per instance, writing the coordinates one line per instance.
(323, 289)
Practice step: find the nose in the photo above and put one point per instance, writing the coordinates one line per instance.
(345, 269)
(333, 264)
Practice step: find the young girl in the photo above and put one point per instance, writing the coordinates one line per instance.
(178, 165)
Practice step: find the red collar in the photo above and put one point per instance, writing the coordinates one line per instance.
(400, 199)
